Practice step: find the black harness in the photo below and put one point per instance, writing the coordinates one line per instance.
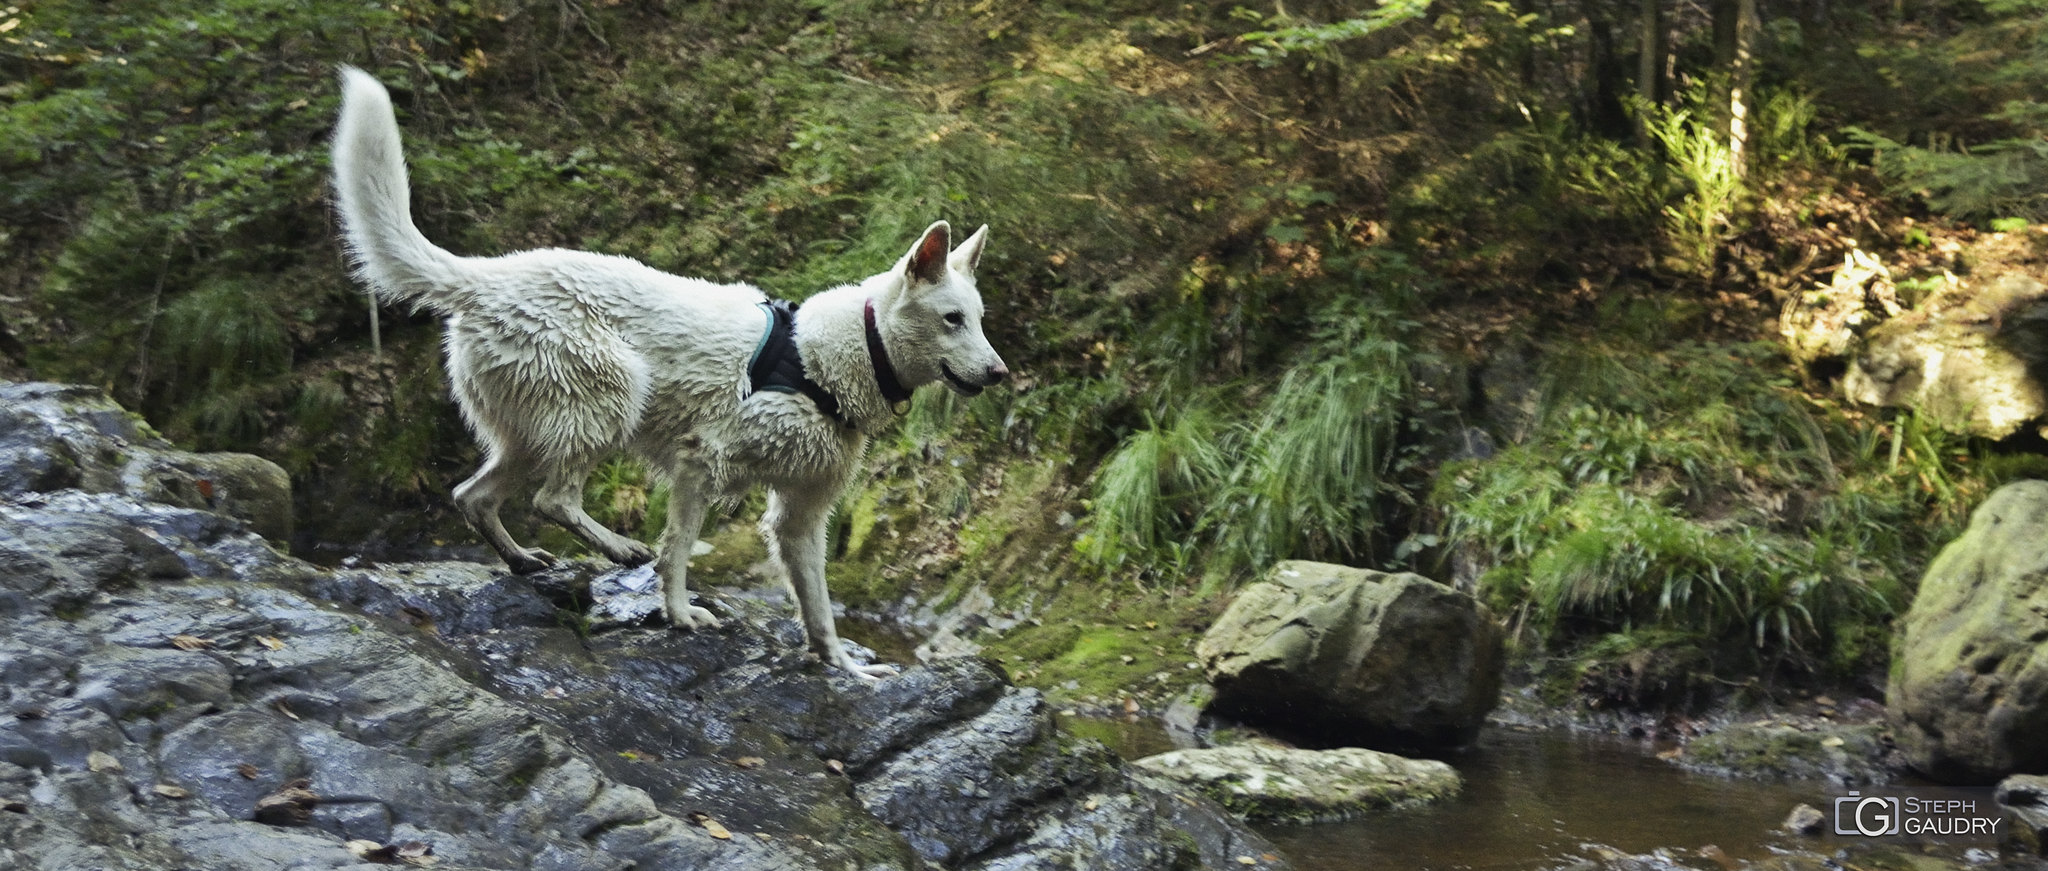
(776, 365)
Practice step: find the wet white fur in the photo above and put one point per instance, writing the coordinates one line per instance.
(559, 359)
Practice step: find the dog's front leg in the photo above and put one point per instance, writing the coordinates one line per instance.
(686, 507)
(794, 527)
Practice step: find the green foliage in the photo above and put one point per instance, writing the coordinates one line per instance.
(1700, 157)
(1303, 472)
(1527, 199)
(223, 334)
(1686, 489)
(1150, 494)
(1269, 46)
(1314, 463)
(1981, 156)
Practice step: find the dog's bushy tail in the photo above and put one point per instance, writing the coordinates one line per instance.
(390, 254)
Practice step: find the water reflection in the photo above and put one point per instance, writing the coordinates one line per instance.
(1545, 800)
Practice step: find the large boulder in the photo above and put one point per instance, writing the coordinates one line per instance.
(1267, 783)
(1966, 360)
(1969, 678)
(1353, 657)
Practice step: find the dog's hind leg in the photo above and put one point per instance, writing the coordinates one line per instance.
(686, 507)
(794, 527)
(480, 497)
(561, 500)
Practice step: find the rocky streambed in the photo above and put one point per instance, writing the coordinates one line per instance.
(177, 693)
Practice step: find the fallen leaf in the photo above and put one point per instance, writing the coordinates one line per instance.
(168, 791)
(1832, 741)
(418, 853)
(1269, 857)
(247, 771)
(1091, 804)
(750, 762)
(291, 805)
(1247, 860)
(711, 826)
(284, 709)
(99, 761)
(190, 642)
(1151, 624)
(269, 642)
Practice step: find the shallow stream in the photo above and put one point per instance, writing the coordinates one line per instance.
(1536, 800)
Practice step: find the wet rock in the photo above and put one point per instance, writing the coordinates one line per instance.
(2025, 798)
(1804, 820)
(176, 693)
(1969, 680)
(66, 436)
(1349, 656)
(1846, 755)
(1268, 783)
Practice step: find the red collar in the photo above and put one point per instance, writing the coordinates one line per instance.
(893, 391)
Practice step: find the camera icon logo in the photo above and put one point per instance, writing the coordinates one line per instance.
(1868, 815)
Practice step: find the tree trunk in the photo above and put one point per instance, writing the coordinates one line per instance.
(1735, 28)
(1650, 85)
(1650, 67)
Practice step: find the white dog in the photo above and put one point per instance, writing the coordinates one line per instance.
(560, 358)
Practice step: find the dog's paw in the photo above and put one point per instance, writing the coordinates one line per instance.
(530, 560)
(633, 553)
(870, 673)
(691, 617)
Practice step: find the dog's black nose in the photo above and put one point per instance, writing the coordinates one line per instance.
(997, 373)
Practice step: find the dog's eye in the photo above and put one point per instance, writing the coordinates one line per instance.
(955, 319)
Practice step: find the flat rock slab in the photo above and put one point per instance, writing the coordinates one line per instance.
(1849, 755)
(1266, 783)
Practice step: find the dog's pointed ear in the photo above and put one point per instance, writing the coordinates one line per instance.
(968, 255)
(927, 261)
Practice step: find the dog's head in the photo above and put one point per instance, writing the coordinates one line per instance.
(932, 318)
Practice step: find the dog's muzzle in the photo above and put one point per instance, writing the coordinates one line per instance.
(995, 376)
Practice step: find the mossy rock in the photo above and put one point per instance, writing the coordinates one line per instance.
(1340, 655)
(1268, 783)
(1969, 679)
(1847, 755)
